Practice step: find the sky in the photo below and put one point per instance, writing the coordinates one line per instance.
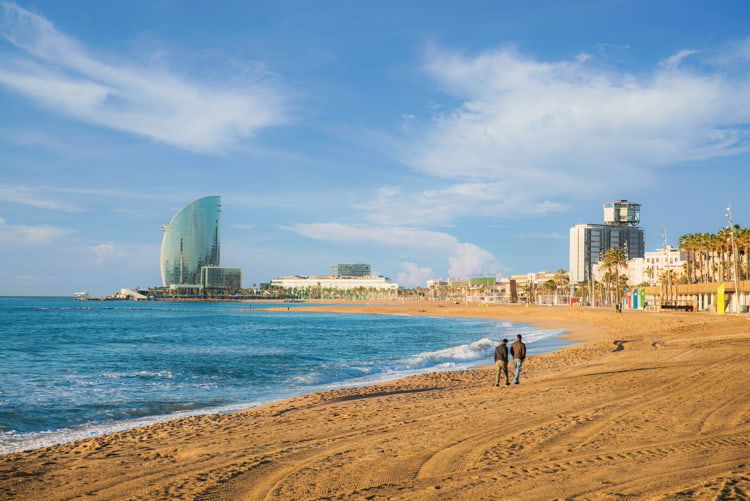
(429, 139)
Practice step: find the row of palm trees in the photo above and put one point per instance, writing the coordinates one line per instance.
(318, 292)
(710, 256)
(612, 261)
(553, 286)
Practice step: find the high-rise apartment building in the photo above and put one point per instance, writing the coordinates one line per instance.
(191, 241)
(588, 242)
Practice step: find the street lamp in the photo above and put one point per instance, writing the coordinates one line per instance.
(728, 214)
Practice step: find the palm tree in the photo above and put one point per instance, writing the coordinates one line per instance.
(666, 279)
(550, 287)
(743, 248)
(699, 250)
(561, 278)
(528, 289)
(612, 260)
(688, 244)
(724, 237)
(599, 290)
(706, 246)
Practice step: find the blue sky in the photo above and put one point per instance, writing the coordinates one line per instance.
(430, 139)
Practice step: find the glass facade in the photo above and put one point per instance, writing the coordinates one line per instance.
(191, 241)
(588, 242)
(221, 277)
(351, 270)
(600, 239)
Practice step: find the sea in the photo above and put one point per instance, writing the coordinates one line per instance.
(76, 369)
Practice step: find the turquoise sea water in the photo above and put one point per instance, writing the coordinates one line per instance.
(72, 369)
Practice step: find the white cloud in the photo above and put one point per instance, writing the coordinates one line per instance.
(108, 252)
(469, 259)
(543, 128)
(393, 206)
(60, 74)
(463, 258)
(33, 197)
(390, 236)
(674, 60)
(30, 235)
(737, 51)
(414, 275)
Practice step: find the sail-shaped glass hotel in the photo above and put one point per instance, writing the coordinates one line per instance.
(191, 241)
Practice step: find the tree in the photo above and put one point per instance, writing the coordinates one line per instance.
(710, 256)
(743, 249)
(561, 278)
(610, 278)
(612, 260)
(529, 290)
(549, 287)
(666, 279)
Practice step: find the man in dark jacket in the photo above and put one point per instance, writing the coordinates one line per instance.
(501, 362)
(518, 350)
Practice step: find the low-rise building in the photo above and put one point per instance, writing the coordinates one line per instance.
(536, 278)
(334, 282)
(221, 277)
(649, 268)
(446, 283)
(668, 258)
(439, 283)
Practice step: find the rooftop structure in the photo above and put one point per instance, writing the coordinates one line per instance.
(351, 270)
(622, 212)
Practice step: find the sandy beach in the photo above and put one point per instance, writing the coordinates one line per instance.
(646, 406)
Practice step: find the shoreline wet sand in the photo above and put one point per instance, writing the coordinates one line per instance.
(647, 406)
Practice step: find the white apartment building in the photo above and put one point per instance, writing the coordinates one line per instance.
(668, 258)
(649, 267)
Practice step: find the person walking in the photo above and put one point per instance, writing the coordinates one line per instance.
(501, 362)
(518, 351)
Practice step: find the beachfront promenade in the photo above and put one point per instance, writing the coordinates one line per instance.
(667, 416)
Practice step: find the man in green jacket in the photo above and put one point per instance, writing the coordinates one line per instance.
(501, 362)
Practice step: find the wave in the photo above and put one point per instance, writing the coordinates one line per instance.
(475, 351)
(11, 441)
(458, 357)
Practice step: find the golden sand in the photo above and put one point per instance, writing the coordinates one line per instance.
(666, 416)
